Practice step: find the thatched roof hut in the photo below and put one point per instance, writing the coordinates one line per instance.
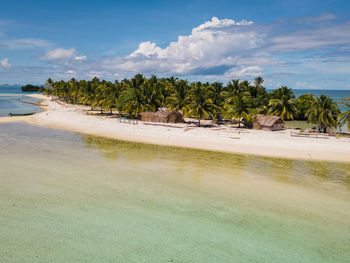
(266, 122)
(164, 115)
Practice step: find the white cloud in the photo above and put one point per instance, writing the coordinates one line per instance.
(80, 58)
(243, 72)
(238, 73)
(224, 49)
(60, 54)
(213, 44)
(318, 38)
(23, 43)
(5, 63)
(217, 23)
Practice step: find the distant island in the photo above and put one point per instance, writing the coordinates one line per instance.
(32, 88)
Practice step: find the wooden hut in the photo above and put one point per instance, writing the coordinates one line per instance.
(269, 123)
(164, 115)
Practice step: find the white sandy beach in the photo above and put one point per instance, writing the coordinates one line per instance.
(222, 138)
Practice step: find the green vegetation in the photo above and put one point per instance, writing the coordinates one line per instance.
(322, 112)
(345, 116)
(299, 124)
(31, 88)
(237, 101)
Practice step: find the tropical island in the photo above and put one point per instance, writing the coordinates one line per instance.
(240, 102)
(32, 88)
(240, 117)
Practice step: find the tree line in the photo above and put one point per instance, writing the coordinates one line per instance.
(32, 88)
(238, 100)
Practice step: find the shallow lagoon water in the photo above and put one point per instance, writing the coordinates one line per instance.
(11, 101)
(66, 197)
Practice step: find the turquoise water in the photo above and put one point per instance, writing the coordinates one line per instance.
(10, 101)
(66, 197)
(336, 95)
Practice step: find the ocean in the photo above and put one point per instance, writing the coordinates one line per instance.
(10, 101)
(67, 197)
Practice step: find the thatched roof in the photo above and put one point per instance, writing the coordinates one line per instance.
(163, 115)
(268, 121)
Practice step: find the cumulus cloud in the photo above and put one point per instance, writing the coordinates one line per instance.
(214, 43)
(243, 72)
(5, 63)
(242, 48)
(60, 54)
(221, 49)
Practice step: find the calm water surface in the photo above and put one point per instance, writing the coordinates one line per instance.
(10, 101)
(66, 197)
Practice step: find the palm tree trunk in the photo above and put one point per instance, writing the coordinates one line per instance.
(199, 122)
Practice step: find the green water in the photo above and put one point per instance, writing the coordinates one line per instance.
(66, 197)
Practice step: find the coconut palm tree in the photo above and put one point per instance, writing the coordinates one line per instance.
(282, 104)
(232, 87)
(49, 87)
(180, 97)
(237, 107)
(150, 94)
(200, 105)
(322, 113)
(303, 103)
(109, 98)
(284, 91)
(344, 116)
(99, 97)
(217, 94)
(258, 81)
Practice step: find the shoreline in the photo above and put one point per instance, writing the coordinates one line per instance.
(224, 138)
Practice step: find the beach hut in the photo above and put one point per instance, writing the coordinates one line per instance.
(164, 115)
(269, 123)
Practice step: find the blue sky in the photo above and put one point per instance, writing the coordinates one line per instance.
(302, 44)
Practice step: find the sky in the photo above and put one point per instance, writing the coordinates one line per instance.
(300, 44)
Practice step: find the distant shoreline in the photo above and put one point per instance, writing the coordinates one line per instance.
(278, 144)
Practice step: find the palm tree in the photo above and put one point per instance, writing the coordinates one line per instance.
(284, 91)
(303, 103)
(282, 104)
(99, 98)
(283, 108)
(49, 87)
(232, 87)
(260, 98)
(258, 81)
(131, 97)
(344, 116)
(73, 90)
(237, 107)
(180, 97)
(321, 113)
(200, 105)
(150, 94)
(218, 96)
(108, 100)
